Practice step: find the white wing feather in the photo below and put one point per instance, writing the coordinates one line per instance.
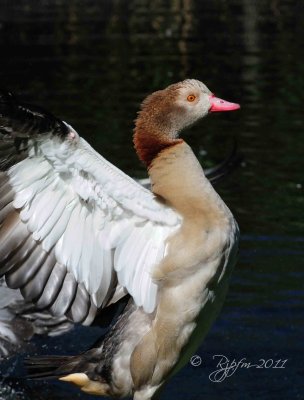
(98, 220)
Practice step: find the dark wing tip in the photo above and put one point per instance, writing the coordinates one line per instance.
(27, 119)
(20, 122)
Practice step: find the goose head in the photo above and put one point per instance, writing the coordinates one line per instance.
(165, 113)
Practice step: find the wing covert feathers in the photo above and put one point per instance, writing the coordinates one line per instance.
(75, 231)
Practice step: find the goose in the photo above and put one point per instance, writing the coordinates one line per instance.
(77, 235)
(20, 320)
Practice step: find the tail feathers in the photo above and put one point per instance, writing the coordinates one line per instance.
(220, 171)
(50, 367)
(67, 369)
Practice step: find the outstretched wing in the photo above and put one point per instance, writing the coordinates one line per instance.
(76, 232)
(20, 320)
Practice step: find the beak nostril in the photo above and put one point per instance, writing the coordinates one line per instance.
(222, 105)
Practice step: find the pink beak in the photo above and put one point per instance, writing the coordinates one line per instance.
(221, 105)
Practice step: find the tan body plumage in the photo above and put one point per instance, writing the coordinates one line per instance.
(173, 251)
(193, 277)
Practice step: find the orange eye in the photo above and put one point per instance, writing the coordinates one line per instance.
(191, 97)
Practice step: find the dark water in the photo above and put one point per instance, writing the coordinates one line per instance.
(92, 62)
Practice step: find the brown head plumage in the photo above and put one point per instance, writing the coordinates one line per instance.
(165, 113)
